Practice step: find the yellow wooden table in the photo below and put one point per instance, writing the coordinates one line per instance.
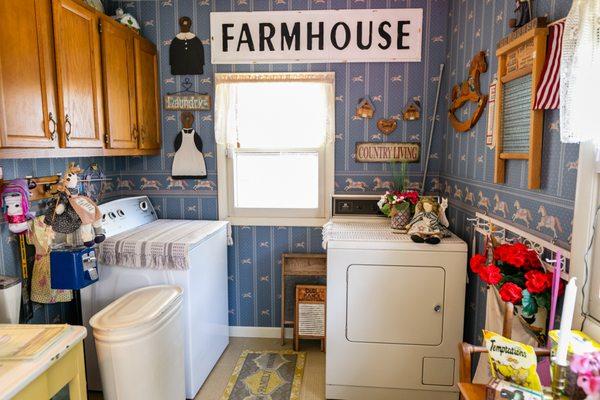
(42, 377)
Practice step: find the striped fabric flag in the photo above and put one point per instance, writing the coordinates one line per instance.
(547, 96)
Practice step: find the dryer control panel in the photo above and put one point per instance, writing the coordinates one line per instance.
(126, 213)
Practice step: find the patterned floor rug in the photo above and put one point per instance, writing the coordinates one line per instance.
(266, 375)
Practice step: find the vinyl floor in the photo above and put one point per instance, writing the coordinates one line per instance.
(313, 383)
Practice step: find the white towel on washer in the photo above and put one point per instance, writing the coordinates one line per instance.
(163, 244)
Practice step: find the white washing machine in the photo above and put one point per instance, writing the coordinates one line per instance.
(395, 309)
(132, 222)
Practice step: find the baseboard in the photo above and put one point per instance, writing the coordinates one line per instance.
(259, 332)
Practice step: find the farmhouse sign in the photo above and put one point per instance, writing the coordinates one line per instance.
(388, 152)
(316, 36)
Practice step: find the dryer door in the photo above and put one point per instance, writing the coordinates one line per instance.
(395, 304)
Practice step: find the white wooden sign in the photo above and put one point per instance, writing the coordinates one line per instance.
(316, 36)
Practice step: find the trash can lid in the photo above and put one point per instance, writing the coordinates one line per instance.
(8, 281)
(137, 308)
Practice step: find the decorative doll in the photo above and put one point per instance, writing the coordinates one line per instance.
(186, 52)
(523, 10)
(189, 161)
(426, 226)
(15, 205)
(71, 212)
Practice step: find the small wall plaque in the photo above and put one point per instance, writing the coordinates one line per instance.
(188, 102)
(388, 152)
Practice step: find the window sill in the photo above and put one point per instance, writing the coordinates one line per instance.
(266, 221)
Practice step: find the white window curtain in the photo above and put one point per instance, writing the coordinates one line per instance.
(580, 74)
(227, 108)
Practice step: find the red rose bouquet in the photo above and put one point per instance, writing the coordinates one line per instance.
(393, 202)
(518, 274)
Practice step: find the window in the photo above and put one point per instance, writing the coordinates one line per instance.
(274, 135)
(585, 247)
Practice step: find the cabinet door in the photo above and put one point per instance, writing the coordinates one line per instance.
(79, 74)
(27, 83)
(118, 74)
(148, 108)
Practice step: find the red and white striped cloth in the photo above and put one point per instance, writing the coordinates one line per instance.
(548, 90)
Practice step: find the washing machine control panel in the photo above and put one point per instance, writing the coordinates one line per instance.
(126, 213)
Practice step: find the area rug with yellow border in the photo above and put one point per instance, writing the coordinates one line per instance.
(266, 375)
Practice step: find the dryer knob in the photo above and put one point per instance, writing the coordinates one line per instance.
(437, 308)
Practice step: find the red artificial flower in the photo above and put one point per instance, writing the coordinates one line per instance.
(490, 274)
(511, 292)
(537, 281)
(477, 263)
(517, 255)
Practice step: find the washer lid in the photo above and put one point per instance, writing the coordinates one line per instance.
(137, 308)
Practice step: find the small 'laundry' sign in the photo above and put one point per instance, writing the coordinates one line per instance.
(388, 152)
(316, 36)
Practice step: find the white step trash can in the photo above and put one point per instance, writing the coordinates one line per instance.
(139, 343)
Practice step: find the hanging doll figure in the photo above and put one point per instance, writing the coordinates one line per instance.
(427, 225)
(186, 52)
(188, 162)
(71, 212)
(15, 205)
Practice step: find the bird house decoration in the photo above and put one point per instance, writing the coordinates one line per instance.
(412, 112)
(518, 127)
(365, 108)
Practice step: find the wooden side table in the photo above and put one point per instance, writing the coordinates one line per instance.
(44, 376)
(300, 265)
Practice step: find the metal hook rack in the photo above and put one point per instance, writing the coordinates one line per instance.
(504, 232)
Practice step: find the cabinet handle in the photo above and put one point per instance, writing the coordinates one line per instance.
(52, 126)
(67, 127)
(134, 132)
(437, 308)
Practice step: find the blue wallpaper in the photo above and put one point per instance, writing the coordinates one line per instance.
(468, 165)
(254, 270)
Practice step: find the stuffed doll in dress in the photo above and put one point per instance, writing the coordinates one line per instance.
(69, 212)
(427, 225)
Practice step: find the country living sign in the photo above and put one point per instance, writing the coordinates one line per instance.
(376, 35)
(388, 152)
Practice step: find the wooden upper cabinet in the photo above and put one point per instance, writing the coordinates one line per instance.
(79, 78)
(27, 83)
(148, 104)
(118, 73)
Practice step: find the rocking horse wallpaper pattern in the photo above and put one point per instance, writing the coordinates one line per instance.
(466, 164)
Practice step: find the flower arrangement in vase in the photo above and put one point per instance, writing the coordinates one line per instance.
(517, 272)
(586, 370)
(398, 207)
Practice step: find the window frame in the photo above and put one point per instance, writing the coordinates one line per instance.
(293, 216)
(587, 199)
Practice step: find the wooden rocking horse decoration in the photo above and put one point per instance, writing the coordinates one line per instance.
(469, 91)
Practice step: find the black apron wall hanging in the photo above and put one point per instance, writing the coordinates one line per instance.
(188, 162)
(186, 53)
